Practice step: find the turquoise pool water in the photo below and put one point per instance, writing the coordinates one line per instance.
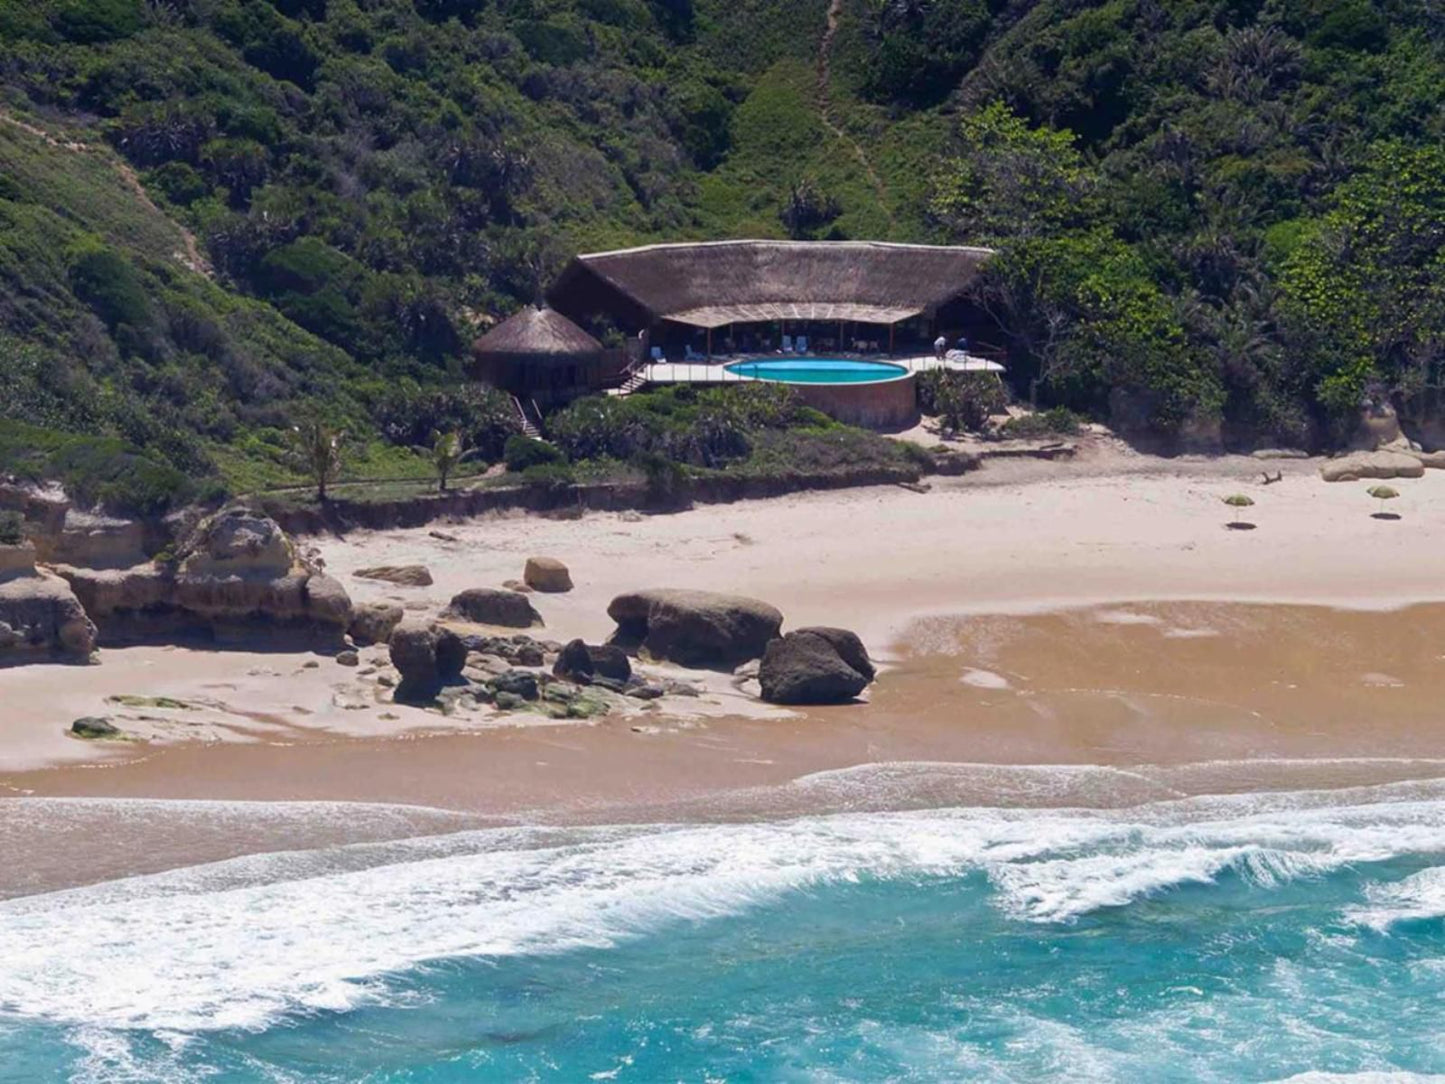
(1287, 936)
(818, 370)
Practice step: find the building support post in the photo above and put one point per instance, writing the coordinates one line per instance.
(891, 329)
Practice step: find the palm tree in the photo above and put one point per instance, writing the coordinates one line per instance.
(449, 451)
(319, 448)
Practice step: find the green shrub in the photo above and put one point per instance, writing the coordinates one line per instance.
(668, 482)
(961, 401)
(524, 453)
(482, 416)
(1057, 421)
(551, 477)
(12, 528)
(108, 282)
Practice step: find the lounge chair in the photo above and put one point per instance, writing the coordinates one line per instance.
(656, 353)
(802, 344)
(787, 344)
(689, 354)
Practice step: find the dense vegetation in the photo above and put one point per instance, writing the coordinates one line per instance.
(1213, 216)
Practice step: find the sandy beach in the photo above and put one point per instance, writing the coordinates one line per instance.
(1092, 613)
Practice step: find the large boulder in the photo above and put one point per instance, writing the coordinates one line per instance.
(1382, 464)
(546, 574)
(374, 622)
(238, 542)
(579, 661)
(493, 606)
(425, 656)
(815, 666)
(401, 575)
(40, 618)
(699, 629)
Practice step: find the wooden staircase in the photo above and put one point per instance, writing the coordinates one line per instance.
(635, 382)
(530, 427)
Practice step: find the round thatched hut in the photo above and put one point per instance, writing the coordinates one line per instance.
(539, 354)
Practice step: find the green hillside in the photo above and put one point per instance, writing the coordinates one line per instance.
(219, 215)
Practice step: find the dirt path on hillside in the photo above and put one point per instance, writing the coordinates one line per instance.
(190, 255)
(825, 107)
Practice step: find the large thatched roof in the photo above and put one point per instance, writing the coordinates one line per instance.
(540, 334)
(723, 282)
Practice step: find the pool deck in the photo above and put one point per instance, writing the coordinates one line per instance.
(714, 371)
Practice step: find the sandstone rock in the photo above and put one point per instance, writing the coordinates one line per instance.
(1358, 465)
(402, 575)
(94, 726)
(1280, 453)
(1377, 428)
(237, 541)
(95, 541)
(517, 586)
(17, 560)
(348, 658)
(509, 701)
(808, 667)
(42, 618)
(235, 577)
(694, 628)
(373, 622)
(579, 660)
(546, 574)
(646, 691)
(491, 606)
(1430, 460)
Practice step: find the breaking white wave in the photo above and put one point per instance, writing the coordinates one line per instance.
(1418, 897)
(241, 943)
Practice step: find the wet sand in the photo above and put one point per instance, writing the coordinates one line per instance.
(1178, 698)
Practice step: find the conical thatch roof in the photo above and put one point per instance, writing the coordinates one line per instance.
(534, 333)
(719, 282)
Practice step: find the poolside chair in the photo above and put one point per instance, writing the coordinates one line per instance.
(656, 353)
(787, 344)
(689, 354)
(802, 344)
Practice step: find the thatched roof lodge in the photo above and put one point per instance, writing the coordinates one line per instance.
(539, 354)
(825, 289)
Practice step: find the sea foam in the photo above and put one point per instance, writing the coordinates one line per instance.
(242, 943)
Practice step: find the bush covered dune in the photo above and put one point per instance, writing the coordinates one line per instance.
(1217, 219)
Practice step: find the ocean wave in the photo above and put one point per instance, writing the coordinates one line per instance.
(241, 943)
(1419, 897)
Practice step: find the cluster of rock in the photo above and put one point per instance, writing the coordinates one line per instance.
(437, 664)
(703, 629)
(1381, 450)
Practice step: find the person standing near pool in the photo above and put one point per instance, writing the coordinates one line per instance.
(940, 347)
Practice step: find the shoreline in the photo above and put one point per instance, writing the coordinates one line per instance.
(1034, 550)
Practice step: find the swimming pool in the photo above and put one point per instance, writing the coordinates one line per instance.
(818, 370)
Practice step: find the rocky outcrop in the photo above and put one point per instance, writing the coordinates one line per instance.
(815, 666)
(17, 560)
(426, 656)
(1381, 464)
(582, 662)
(547, 574)
(1379, 427)
(94, 726)
(237, 577)
(374, 622)
(40, 618)
(493, 606)
(401, 575)
(694, 628)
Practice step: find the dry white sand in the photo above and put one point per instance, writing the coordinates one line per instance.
(1113, 527)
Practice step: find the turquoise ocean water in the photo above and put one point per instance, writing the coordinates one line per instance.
(1290, 935)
